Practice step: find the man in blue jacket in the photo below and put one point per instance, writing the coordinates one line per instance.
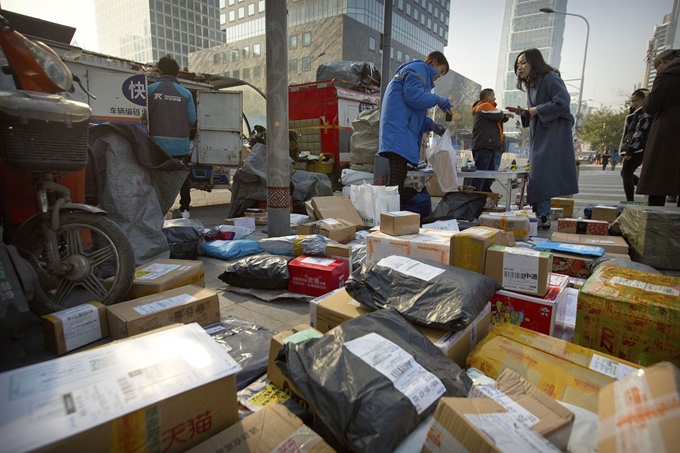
(172, 114)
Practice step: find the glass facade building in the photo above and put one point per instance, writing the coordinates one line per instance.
(145, 30)
(344, 30)
(525, 27)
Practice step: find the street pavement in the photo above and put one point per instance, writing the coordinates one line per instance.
(21, 339)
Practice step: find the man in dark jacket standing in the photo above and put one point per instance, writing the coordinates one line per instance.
(487, 135)
(172, 114)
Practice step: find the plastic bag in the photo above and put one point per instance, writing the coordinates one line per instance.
(185, 238)
(444, 161)
(230, 250)
(426, 292)
(370, 201)
(259, 271)
(618, 262)
(458, 205)
(246, 343)
(375, 368)
(310, 244)
(227, 233)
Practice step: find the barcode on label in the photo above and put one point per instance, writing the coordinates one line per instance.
(401, 369)
(520, 275)
(126, 387)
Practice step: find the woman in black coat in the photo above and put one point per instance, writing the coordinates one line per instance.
(660, 174)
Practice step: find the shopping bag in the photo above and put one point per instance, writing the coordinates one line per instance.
(444, 161)
(370, 201)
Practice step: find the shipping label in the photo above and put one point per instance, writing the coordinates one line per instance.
(509, 435)
(523, 415)
(155, 270)
(666, 290)
(411, 267)
(154, 307)
(81, 325)
(609, 367)
(318, 261)
(520, 269)
(420, 386)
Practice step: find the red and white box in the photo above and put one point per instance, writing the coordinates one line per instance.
(540, 314)
(583, 226)
(316, 275)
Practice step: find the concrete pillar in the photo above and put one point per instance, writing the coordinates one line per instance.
(278, 167)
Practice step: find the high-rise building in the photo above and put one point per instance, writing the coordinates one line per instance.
(145, 30)
(525, 27)
(341, 30)
(666, 36)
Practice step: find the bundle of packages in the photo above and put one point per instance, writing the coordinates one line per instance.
(310, 244)
(380, 377)
(425, 292)
(258, 271)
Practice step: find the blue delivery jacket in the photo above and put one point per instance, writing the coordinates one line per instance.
(403, 116)
(172, 113)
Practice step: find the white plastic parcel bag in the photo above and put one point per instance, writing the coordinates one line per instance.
(370, 201)
(444, 161)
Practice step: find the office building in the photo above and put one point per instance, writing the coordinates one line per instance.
(341, 30)
(525, 27)
(145, 30)
(666, 36)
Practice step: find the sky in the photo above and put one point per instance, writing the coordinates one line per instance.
(619, 32)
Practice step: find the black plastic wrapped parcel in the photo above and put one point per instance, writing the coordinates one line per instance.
(425, 292)
(372, 379)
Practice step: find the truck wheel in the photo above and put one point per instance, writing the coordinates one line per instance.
(100, 257)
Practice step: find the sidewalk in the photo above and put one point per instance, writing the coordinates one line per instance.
(21, 337)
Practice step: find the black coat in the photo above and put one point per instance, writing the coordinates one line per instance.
(661, 166)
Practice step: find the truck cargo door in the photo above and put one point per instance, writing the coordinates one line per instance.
(219, 121)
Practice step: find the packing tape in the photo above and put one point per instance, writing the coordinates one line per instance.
(302, 440)
(636, 423)
(297, 245)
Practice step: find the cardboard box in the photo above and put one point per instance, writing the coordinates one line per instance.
(519, 269)
(295, 335)
(567, 204)
(518, 224)
(180, 305)
(333, 309)
(640, 411)
(337, 229)
(630, 314)
(433, 245)
(167, 391)
(398, 223)
(260, 215)
(245, 222)
(480, 425)
(273, 429)
(540, 314)
(72, 328)
(336, 208)
(341, 252)
(653, 233)
(563, 370)
(610, 244)
(536, 409)
(316, 276)
(164, 274)
(605, 213)
(571, 264)
(583, 226)
(468, 248)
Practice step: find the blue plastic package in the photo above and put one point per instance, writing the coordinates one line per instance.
(230, 250)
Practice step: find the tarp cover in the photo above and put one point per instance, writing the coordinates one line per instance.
(366, 409)
(359, 72)
(140, 183)
(449, 300)
(259, 271)
(250, 184)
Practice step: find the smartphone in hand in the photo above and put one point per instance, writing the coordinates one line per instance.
(513, 110)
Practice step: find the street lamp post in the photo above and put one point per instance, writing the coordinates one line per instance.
(309, 63)
(579, 113)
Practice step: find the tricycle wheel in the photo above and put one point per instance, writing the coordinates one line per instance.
(99, 255)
